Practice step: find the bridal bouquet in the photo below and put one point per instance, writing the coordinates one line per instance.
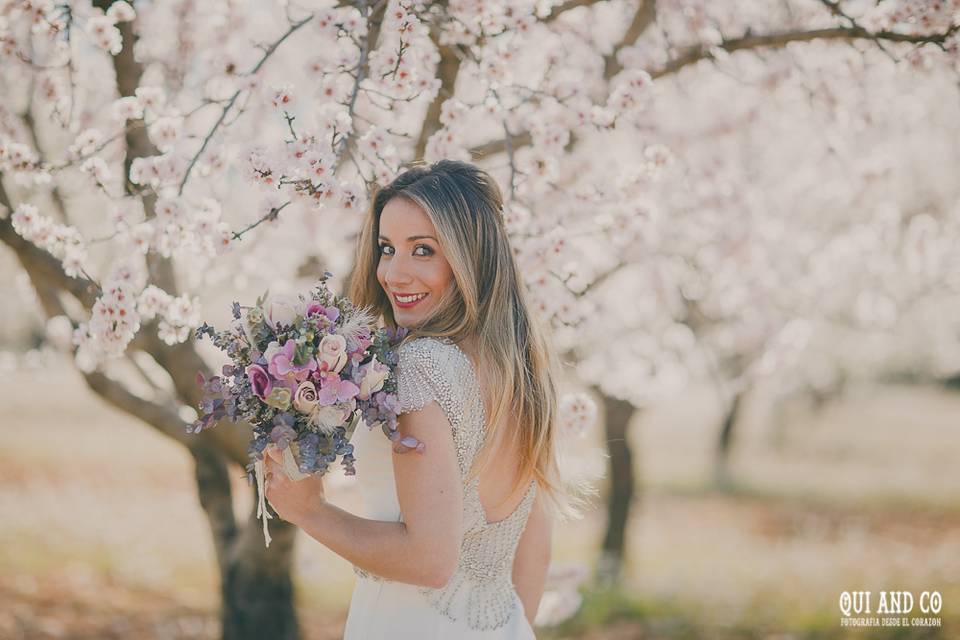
(303, 371)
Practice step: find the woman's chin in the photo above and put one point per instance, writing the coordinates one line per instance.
(407, 319)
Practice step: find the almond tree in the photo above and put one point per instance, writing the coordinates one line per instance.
(716, 273)
(139, 150)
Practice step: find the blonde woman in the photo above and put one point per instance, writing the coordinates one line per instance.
(456, 539)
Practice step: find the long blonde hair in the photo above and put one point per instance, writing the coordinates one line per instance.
(487, 302)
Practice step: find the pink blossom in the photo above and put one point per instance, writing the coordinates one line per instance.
(280, 362)
(334, 390)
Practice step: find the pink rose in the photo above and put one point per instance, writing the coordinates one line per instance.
(260, 382)
(333, 353)
(315, 308)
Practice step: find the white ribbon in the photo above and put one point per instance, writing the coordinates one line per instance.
(262, 500)
(290, 468)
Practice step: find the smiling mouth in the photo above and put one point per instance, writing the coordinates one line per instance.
(406, 300)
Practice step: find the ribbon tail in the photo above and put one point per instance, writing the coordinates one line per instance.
(262, 500)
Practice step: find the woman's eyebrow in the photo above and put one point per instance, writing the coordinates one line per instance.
(410, 239)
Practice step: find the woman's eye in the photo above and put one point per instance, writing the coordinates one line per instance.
(427, 250)
(383, 249)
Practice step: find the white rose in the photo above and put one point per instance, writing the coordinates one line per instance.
(374, 375)
(305, 399)
(281, 309)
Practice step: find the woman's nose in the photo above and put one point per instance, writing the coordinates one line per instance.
(397, 273)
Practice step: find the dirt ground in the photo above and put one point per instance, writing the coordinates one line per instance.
(102, 536)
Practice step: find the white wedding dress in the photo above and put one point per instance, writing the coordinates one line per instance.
(479, 601)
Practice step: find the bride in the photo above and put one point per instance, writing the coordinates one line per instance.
(455, 541)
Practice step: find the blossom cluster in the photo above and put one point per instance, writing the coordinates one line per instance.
(62, 241)
(120, 310)
(22, 162)
(303, 371)
(114, 321)
(578, 413)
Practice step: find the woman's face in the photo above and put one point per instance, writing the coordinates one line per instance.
(412, 269)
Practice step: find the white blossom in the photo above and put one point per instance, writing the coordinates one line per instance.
(151, 98)
(121, 11)
(98, 169)
(103, 33)
(126, 108)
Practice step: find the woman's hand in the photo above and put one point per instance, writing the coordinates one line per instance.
(294, 501)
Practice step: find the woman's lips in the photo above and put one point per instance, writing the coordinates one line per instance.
(407, 305)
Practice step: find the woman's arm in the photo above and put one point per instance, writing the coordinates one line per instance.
(533, 558)
(424, 549)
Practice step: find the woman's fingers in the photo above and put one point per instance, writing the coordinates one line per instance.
(272, 460)
(409, 443)
(270, 468)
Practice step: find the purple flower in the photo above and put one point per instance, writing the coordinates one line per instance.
(282, 435)
(260, 381)
(281, 363)
(315, 308)
(335, 390)
(388, 401)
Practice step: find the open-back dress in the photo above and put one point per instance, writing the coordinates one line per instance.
(479, 601)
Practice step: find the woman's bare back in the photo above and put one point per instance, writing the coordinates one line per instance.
(497, 480)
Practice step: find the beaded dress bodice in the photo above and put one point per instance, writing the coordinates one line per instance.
(436, 369)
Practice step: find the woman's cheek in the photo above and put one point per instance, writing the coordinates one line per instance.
(380, 274)
(434, 275)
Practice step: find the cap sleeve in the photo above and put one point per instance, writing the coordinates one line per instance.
(434, 369)
(423, 375)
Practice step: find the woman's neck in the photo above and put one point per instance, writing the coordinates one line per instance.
(469, 346)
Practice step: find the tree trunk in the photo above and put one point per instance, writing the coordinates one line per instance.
(256, 587)
(447, 69)
(721, 464)
(255, 582)
(617, 416)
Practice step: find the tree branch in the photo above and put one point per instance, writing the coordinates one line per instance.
(31, 126)
(163, 417)
(210, 469)
(181, 361)
(294, 27)
(645, 15)
(696, 53)
(369, 41)
(494, 147)
(563, 7)
(46, 272)
(448, 69)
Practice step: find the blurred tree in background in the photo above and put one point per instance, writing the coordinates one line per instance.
(694, 190)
